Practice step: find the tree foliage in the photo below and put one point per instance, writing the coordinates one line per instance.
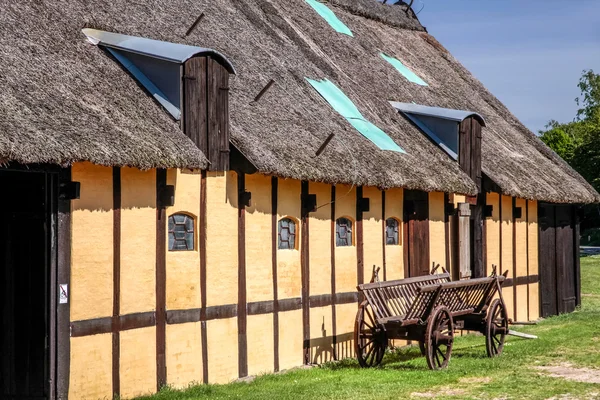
(578, 142)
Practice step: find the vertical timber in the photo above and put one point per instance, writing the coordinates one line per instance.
(274, 245)
(63, 276)
(161, 258)
(305, 272)
(116, 350)
(203, 298)
(242, 297)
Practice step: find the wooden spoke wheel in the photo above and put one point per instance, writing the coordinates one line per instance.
(370, 339)
(496, 328)
(422, 348)
(439, 338)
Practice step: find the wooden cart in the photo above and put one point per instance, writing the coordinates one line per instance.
(429, 309)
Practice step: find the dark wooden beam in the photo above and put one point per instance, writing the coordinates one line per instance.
(360, 251)
(63, 276)
(274, 246)
(333, 289)
(202, 249)
(116, 349)
(305, 270)
(383, 237)
(161, 261)
(242, 297)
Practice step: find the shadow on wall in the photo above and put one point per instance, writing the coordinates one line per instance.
(137, 189)
(321, 349)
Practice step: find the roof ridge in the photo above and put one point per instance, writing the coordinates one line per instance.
(389, 14)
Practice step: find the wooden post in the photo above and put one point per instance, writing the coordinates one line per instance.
(464, 240)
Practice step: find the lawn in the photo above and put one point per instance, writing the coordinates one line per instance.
(571, 341)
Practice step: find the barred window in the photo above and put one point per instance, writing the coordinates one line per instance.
(343, 230)
(392, 236)
(287, 234)
(181, 232)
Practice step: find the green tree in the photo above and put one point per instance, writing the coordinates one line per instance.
(578, 142)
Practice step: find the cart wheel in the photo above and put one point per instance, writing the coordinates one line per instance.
(422, 348)
(439, 338)
(370, 339)
(496, 328)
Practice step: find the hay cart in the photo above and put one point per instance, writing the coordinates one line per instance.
(429, 309)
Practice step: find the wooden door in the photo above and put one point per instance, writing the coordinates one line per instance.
(565, 260)
(547, 259)
(416, 233)
(558, 259)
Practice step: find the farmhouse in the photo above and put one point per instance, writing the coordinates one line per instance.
(193, 190)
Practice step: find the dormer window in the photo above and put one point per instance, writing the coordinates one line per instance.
(441, 125)
(156, 65)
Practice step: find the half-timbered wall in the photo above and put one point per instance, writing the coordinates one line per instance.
(245, 298)
(512, 245)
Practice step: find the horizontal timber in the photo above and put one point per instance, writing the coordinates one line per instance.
(98, 326)
(521, 280)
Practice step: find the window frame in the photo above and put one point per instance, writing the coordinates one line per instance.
(398, 225)
(296, 232)
(194, 231)
(352, 235)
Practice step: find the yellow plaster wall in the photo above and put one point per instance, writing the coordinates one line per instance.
(138, 240)
(184, 354)
(260, 344)
(534, 290)
(183, 267)
(394, 255)
(437, 230)
(290, 339)
(222, 350)
(91, 367)
(289, 278)
(345, 257)
(259, 248)
(458, 198)
(507, 251)
(321, 343)
(372, 233)
(345, 317)
(492, 233)
(521, 260)
(320, 240)
(91, 288)
(138, 362)
(221, 238)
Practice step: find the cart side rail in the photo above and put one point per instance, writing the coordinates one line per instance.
(394, 300)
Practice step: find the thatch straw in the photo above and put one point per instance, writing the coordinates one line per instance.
(63, 100)
(286, 41)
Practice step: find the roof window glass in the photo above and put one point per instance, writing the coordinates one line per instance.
(404, 70)
(330, 17)
(346, 108)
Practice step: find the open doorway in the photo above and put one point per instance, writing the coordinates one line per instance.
(24, 285)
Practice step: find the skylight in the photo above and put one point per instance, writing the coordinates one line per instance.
(153, 63)
(330, 17)
(346, 108)
(404, 70)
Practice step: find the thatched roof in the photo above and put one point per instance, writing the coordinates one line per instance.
(63, 100)
(285, 40)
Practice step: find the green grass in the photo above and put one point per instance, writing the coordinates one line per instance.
(573, 338)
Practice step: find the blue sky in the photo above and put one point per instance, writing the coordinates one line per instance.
(529, 53)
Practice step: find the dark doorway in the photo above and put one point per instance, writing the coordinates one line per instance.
(416, 233)
(24, 285)
(558, 259)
